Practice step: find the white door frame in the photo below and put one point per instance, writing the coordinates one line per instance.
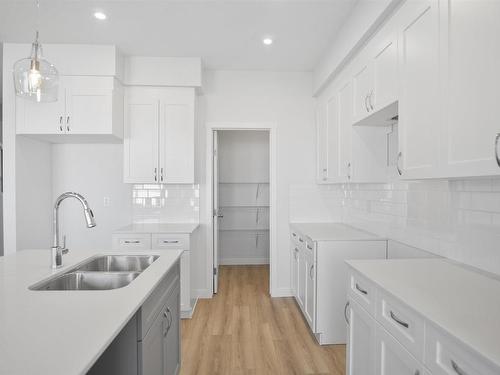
(273, 256)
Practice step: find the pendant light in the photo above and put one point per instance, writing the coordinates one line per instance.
(35, 78)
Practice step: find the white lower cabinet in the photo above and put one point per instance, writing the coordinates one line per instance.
(392, 358)
(163, 242)
(318, 276)
(361, 340)
(394, 339)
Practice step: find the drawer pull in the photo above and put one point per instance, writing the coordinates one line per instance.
(170, 241)
(132, 242)
(345, 312)
(399, 321)
(361, 290)
(457, 368)
(309, 247)
(301, 240)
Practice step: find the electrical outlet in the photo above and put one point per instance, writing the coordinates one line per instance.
(107, 201)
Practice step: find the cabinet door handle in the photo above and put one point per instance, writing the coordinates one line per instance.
(60, 123)
(370, 99)
(156, 174)
(67, 123)
(311, 272)
(399, 321)
(345, 312)
(301, 240)
(366, 104)
(132, 242)
(309, 247)
(161, 174)
(349, 170)
(400, 172)
(294, 234)
(361, 290)
(170, 241)
(496, 149)
(457, 368)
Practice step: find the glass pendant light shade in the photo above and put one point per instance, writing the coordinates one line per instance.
(35, 78)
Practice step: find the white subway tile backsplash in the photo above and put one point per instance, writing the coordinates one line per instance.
(158, 203)
(458, 219)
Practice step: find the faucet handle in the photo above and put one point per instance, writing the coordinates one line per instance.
(64, 250)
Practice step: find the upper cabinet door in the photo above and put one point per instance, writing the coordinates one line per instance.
(89, 106)
(345, 131)
(333, 140)
(385, 72)
(419, 115)
(472, 86)
(141, 136)
(177, 136)
(321, 143)
(363, 90)
(41, 118)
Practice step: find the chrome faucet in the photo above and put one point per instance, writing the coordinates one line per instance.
(57, 250)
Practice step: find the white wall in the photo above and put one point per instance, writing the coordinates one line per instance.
(363, 20)
(96, 172)
(34, 194)
(243, 156)
(283, 98)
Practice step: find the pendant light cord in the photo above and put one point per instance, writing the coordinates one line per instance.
(37, 23)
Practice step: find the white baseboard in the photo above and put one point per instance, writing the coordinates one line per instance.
(243, 261)
(282, 292)
(202, 293)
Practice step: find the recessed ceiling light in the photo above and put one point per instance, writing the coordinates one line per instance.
(267, 41)
(100, 16)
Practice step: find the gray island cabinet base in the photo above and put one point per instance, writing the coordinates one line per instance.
(150, 342)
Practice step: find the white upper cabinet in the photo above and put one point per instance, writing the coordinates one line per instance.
(472, 82)
(176, 158)
(363, 90)
(159, 135)
(375, 81)
(87, 106)
(419, 115)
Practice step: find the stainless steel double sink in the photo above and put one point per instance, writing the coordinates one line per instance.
(103, 272)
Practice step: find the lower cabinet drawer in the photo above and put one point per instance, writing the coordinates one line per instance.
(402, 323)
(392, 358)
(444, 356)
(362, 291)
(170, 241)
(131, 241)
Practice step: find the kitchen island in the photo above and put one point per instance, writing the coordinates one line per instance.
(66, 332)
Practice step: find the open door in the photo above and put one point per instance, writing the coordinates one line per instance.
(216, 213)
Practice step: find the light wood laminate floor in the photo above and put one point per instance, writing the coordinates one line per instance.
(244, 331)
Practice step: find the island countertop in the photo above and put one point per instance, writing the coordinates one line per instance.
(64, 332)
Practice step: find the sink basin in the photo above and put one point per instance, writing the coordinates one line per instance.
(118, 263)
(88, 281)
(103, 272)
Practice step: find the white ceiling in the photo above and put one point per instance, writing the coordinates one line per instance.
(226, 34)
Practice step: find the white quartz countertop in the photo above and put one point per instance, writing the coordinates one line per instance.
(159, 228)
(463, 302)
(64, 332)
(334, 232)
